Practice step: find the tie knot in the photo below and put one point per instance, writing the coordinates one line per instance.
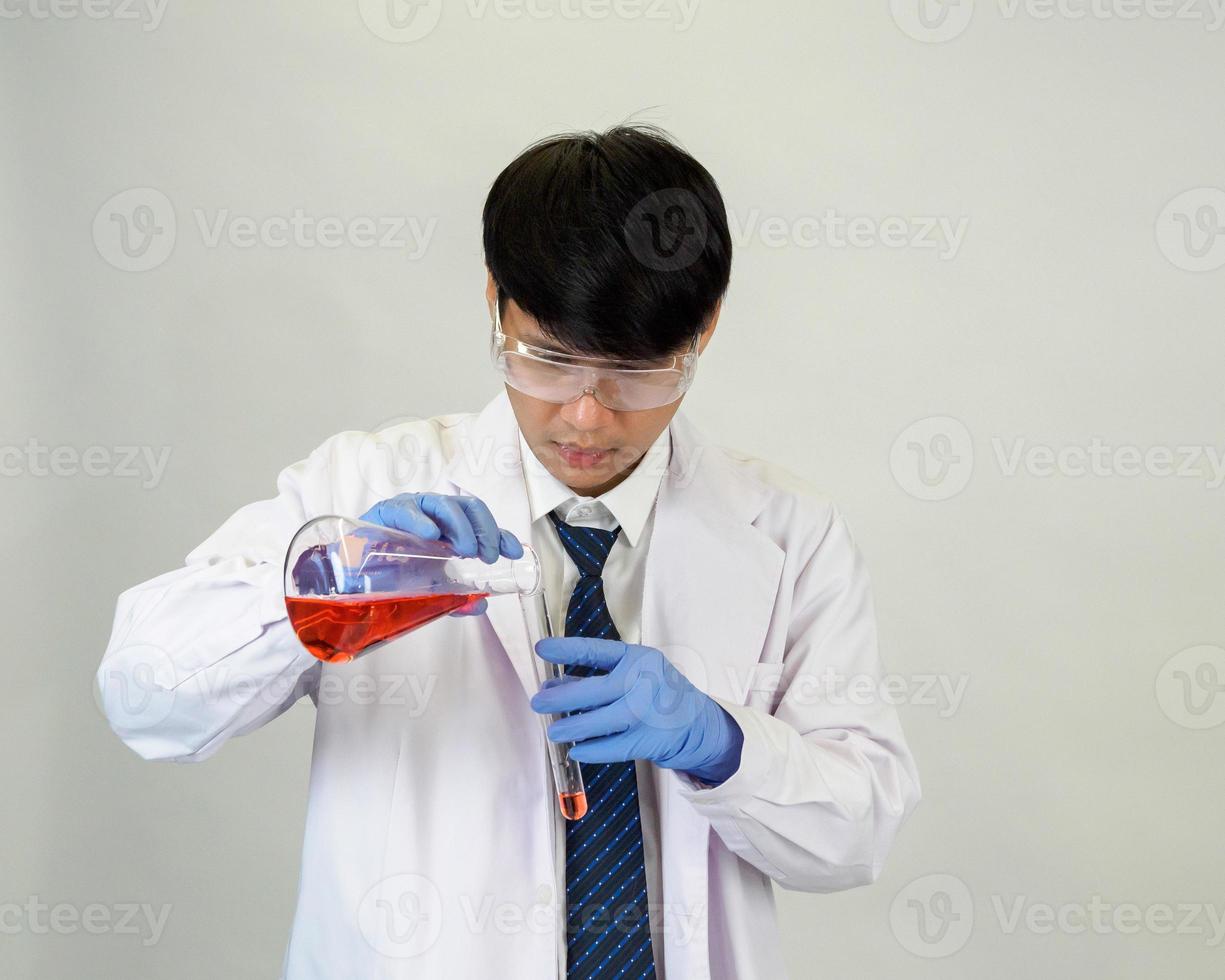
(588, 547)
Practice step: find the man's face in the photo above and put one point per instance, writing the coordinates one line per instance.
(586, 446)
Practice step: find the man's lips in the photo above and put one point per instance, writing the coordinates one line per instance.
(579, 457)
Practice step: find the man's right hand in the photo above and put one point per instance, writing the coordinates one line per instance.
(466, 523)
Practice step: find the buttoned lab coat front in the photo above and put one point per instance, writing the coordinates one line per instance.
(432, 829)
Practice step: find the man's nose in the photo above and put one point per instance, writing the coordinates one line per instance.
(586, 412)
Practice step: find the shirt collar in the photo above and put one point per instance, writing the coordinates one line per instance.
(628, 503)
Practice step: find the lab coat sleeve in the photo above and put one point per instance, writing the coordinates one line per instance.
(825, 778)
(205, 652)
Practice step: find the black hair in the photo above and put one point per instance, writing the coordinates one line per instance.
(616, 243)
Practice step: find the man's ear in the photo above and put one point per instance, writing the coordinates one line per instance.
(491, 291)
(710, 326)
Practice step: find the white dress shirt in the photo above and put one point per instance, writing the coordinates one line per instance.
(629, 505)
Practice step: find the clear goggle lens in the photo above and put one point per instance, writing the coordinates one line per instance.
(561, 378)
(617, 389)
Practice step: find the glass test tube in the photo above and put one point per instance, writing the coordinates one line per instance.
(567, 776)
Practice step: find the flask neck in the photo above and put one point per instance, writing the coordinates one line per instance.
(506, 576)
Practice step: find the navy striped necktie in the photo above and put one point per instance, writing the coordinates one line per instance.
(607, 925)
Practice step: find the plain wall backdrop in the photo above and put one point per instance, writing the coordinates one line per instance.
(976, 298)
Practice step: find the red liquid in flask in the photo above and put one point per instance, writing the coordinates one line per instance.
(338, 628)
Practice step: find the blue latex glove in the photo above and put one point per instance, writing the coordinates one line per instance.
(643, 708)
(466, 524)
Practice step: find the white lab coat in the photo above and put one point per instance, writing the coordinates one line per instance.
(431, 830)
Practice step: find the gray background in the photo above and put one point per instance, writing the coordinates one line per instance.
(1074, 765)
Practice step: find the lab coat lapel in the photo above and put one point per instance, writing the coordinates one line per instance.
(485, 463)
(711, 584)
(711, 576)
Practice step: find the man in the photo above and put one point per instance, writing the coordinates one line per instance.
(705, 596)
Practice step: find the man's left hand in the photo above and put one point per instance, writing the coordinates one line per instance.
(643, 708)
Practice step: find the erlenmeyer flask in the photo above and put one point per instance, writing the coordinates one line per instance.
(351, 585)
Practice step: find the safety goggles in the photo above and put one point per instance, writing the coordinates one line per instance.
(620, 385)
